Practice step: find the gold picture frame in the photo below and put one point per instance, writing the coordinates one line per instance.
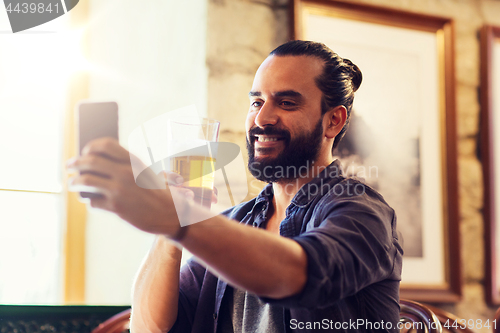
(407, 61)
(490, 143)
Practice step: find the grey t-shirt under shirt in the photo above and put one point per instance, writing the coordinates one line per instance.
(244, 312)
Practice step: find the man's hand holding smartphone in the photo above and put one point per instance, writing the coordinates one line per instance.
(105, 176)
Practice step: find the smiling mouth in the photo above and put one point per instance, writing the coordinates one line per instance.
(265, 138)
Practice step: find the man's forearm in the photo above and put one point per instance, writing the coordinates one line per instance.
(156, 289)
(249, 258)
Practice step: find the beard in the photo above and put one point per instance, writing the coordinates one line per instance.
(298, 153)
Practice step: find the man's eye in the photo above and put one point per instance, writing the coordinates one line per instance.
(256, 104)
(287, 103)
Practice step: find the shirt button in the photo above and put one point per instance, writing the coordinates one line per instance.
(255, 224)
(215, 316)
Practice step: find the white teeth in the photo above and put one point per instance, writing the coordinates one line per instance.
(264, 139)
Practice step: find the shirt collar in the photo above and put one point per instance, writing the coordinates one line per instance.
(266, 194)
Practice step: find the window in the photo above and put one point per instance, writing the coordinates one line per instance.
(35, 67)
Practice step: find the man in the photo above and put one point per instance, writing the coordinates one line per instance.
(314, 251)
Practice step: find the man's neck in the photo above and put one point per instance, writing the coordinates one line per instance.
(284, 191)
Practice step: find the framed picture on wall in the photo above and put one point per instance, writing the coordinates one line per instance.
(402, 136)
(490, 156)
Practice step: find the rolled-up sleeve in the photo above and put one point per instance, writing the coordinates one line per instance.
(350, 243)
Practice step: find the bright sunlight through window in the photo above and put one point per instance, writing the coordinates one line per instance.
(35, 67)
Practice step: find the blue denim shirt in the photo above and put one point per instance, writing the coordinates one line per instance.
(348, 233)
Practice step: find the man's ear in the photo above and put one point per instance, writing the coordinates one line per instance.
(334, 121)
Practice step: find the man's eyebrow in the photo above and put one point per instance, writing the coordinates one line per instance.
(285, 93)
(288, 93)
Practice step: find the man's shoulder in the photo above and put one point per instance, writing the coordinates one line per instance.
(355, 188)
(353, 194)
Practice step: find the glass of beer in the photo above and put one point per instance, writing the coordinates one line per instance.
(192, 154)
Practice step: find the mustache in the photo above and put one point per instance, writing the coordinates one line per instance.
(269, 131)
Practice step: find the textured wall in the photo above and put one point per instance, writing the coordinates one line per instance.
(241, 34)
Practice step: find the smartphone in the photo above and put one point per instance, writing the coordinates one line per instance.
(95, 120)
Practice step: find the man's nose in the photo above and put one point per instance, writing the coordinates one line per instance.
(267, 116)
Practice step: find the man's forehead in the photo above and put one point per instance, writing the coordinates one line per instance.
(287, 73)
(300, 63)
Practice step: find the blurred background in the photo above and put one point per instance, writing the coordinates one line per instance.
(154, 57)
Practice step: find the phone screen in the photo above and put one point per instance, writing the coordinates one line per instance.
(96, 120)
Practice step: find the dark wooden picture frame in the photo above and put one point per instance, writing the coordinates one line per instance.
(490, 36)
(449, 288)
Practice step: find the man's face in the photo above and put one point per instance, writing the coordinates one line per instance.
(284, 123)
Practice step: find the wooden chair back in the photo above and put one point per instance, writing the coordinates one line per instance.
(416, 317)
(450, 322)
